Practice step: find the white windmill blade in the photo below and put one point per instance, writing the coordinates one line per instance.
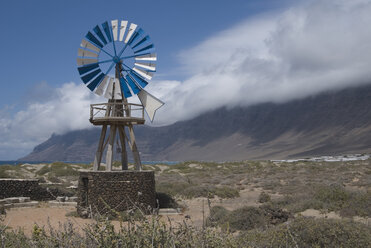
(146, 74)
(130, 32)
(115, 24)
(148, 66)
(108, 94)
(123, 26)
(86, 53)
(86, 61)
(150, 103)
(88, 45)
(117, 95)
(149, 57)
(102, 86)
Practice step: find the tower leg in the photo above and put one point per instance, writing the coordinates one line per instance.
(111, 142)
(134, 149)
(124, 155)
(98, 155)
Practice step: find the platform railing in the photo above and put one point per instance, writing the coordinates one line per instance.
(116, 111)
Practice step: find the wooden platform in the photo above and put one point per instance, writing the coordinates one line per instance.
(116, 120)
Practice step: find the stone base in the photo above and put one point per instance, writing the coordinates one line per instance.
(109, 192)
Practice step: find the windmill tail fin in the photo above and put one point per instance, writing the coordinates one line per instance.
(150, 103)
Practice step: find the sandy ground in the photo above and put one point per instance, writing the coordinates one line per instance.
(196, 212)
(26, 218)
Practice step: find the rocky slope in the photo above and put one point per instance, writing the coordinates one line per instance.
(331, 123)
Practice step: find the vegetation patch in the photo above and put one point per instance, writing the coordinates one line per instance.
(309, 232)
(247, 218)
(58, 169)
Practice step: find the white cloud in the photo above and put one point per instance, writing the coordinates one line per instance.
(307, 49)
(67, 110)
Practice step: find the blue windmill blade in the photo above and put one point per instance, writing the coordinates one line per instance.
(140, 81)
(98, 32)
(134, 87)
(87, 68)
(107, 31)
(96, 82)
(137, 35)
(146, 57)
(122, 31)
(87, 45)
(86, 53)
(144, 48)
(93, 39)
(144, 39)
(146, 66)
(90, 76)
(130, 32)
(85, 61)
(143, 73)
(125, 88)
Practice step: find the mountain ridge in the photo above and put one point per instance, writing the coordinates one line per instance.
(326, 124)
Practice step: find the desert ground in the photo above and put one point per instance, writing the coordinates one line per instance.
(211, 195)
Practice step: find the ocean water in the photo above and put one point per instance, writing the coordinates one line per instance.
(16, 162)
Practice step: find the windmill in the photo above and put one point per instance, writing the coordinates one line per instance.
(116, 60)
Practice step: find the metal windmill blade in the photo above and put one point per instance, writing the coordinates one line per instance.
(113, 43)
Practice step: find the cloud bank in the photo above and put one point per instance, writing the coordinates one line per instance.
(67, 110)
(307, 49)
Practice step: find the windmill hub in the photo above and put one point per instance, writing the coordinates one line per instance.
(116, 59)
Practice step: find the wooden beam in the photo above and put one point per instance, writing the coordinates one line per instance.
(98, 154)
(111, 142)
(134, 149)
(124, 155)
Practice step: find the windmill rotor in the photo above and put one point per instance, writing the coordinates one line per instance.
(113, 43)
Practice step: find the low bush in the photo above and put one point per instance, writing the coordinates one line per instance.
(144, 233)
(247, 218)
(218, 215)
(309, 232)
(264, 197)
(10, 171)
(226, 192)
(58, 169)
(359, 204)
(332, 197)
(190, 191)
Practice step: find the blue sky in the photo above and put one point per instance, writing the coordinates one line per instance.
(211, 53)
(40, 38)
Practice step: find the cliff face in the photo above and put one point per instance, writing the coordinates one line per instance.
(330, 123)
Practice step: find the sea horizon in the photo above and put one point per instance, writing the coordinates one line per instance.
(17, 162)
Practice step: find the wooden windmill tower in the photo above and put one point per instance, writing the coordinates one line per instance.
(127, 49)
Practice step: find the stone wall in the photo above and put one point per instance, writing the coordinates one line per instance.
(23, 188)
(118, 190)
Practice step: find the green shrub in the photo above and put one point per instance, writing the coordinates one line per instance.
(359, 204)
(247, 218)
(308, 232)
(58, 169)
(197, 191)
(264, 197)
(226, 192)
(333, 197)
(10, 171)
(190, 191)
(218, 215)
(170, 188)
